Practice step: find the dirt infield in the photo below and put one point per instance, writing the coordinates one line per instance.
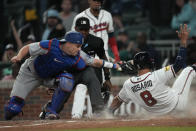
(40, 125)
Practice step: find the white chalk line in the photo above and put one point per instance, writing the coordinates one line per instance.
(61, 121)
(38, 124)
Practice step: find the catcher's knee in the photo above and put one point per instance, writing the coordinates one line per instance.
(13, 107)
(66, 82)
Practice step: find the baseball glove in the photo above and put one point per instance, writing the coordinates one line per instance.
(128, 68)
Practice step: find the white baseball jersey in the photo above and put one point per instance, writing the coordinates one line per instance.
(151, 92)
(100, 26)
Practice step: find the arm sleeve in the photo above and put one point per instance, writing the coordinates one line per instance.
(123, 95)
(180, 61)
(38, 48)
(113, 45)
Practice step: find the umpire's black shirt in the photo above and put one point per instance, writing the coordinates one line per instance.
(93, 45)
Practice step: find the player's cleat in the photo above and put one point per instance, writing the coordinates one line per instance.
(42, 115)
(48, 113)
(51, 115)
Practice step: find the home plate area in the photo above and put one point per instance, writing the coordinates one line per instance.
(40, 125)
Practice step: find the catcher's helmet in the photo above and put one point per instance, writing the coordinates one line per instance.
(143, 60)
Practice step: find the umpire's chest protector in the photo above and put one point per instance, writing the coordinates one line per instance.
(55, 61)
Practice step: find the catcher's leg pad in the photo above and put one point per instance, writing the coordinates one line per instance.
(62, 93)
(13, 107)
(66, 82)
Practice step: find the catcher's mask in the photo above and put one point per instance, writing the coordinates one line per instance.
(143, 60)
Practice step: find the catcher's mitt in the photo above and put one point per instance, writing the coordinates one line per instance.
(128, 68)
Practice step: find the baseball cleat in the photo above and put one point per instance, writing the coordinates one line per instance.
(52, 116)
(42, 115)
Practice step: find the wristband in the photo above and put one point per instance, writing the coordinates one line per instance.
(114, 66)
(103, 63)
(108, 64)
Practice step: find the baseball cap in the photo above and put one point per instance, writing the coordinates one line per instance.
(73, 37)
(83, 23)
(31, 37)
(9, 46)
(52, 13)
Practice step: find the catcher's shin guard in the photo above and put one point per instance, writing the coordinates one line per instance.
(51, 110)
(47, 113)
(13, 107)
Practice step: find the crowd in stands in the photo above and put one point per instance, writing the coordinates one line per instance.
(135, 22)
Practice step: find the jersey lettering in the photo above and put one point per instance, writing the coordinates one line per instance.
(142, 85)
(147, 97)
(99, 27)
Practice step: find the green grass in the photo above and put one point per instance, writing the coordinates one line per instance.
(135, 129)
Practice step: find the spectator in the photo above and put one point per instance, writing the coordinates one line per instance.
(7, 74)
(116, 11)
(66, 14)
(9, 53)
(159, 11)
(54, 27)
(32, 26)
(185, 13)
(124, 46)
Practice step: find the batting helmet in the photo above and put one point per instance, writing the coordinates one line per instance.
(143, 60)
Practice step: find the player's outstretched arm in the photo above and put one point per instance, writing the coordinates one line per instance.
(102, 63)
(98, 62)
(21, 54)
(180, 61)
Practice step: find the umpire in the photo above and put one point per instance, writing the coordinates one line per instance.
(93, 46)
(91, 77)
